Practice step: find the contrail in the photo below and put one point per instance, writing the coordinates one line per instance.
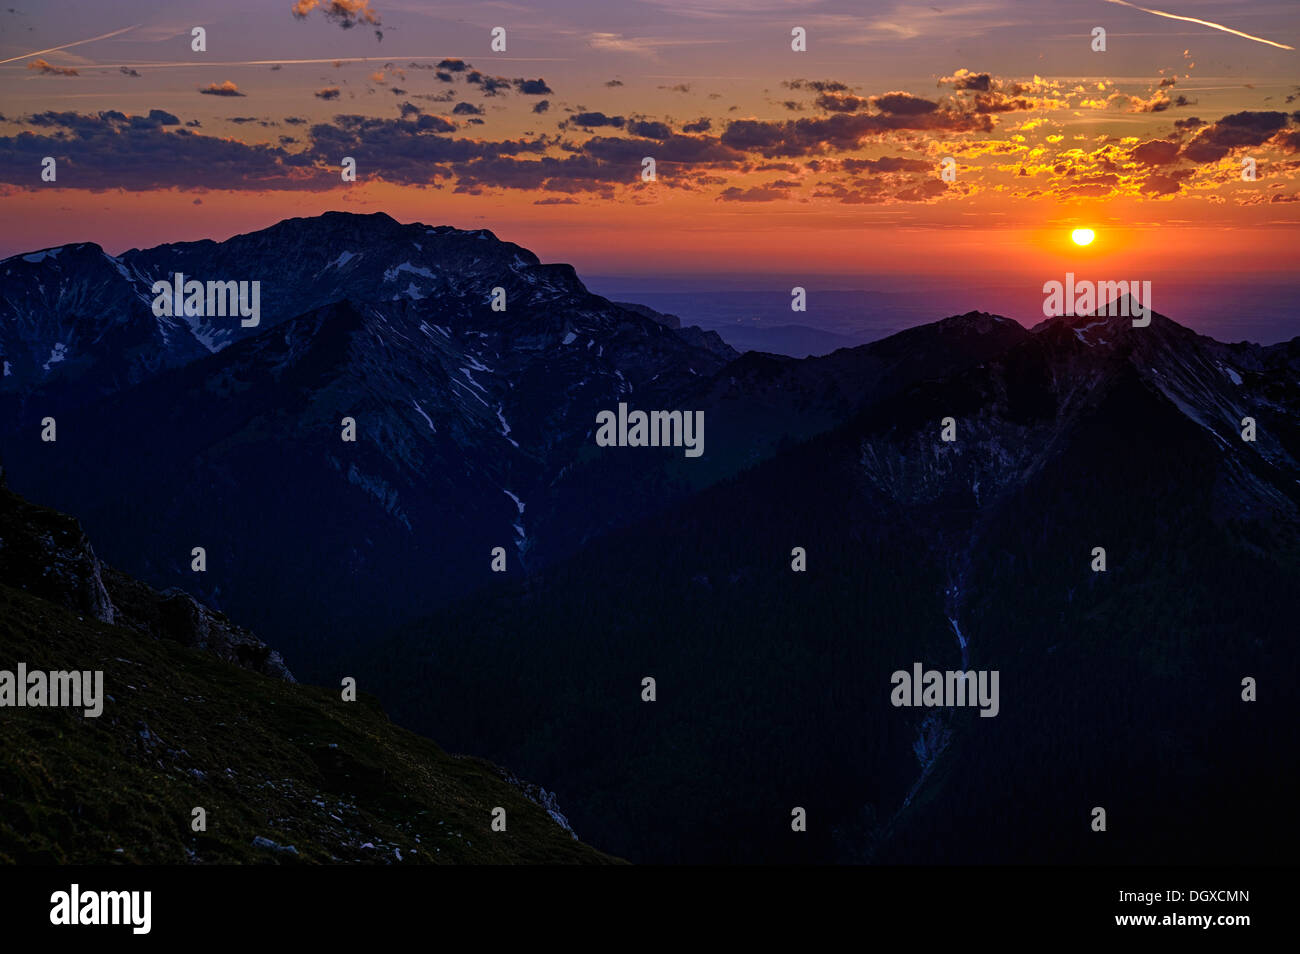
(67, 45)
(1216, 26)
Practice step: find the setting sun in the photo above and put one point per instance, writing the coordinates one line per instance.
(1083, 236)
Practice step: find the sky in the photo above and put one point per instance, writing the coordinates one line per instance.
(822, 164)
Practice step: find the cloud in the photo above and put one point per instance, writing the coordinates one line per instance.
(535, 87)
(841, 104)
(491, 85)
(329, 92)
(467, 109)
(542, 106)
(903, 104)
(221, 89)
(46, 69)
(595, 119)
(840, 132)
(965, 79)
(1246, 128)
(649, 130)
(817, 86)
(1156, 152)
(752, 194)
(127, 71)
(111, 151)
(701, 125)
(346, 13)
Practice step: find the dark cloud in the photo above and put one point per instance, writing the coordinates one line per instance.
(408, 152)
(1191, 122)
(453, 66)
(701, 125)
(672, 149)
(127, 71)
(541, 107)
(923, 191)
(221, 89)
(979, 82)
(329, 92)
(491, 85)
(841, 104)
(649, 130)
(1156, 152)
(753, 194)
(885, 164)
(113, 151)
(615, 82)
(593, 120)
(794, 137)
(467, 109)
(1218, 139)
(535, 87)
(817, 86)
(903, 104)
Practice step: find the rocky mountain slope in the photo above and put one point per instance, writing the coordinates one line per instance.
(200, 714)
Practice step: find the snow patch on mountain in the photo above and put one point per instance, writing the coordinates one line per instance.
(392, 273)
(343, 259)
(379, 489)
(425, 416)
(505, 432)
(37, 257)
(58, 353)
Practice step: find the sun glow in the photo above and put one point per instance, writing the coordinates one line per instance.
(1083, 236)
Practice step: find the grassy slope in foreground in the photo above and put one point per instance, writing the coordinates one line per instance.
(290, 763)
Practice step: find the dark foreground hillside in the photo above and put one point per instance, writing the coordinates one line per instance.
(286, 773)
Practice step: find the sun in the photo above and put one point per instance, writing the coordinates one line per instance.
(1083, 236)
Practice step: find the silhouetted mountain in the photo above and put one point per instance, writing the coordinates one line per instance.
(475, 429)
(1120, 689)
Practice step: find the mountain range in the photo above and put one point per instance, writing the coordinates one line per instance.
(474, 430)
